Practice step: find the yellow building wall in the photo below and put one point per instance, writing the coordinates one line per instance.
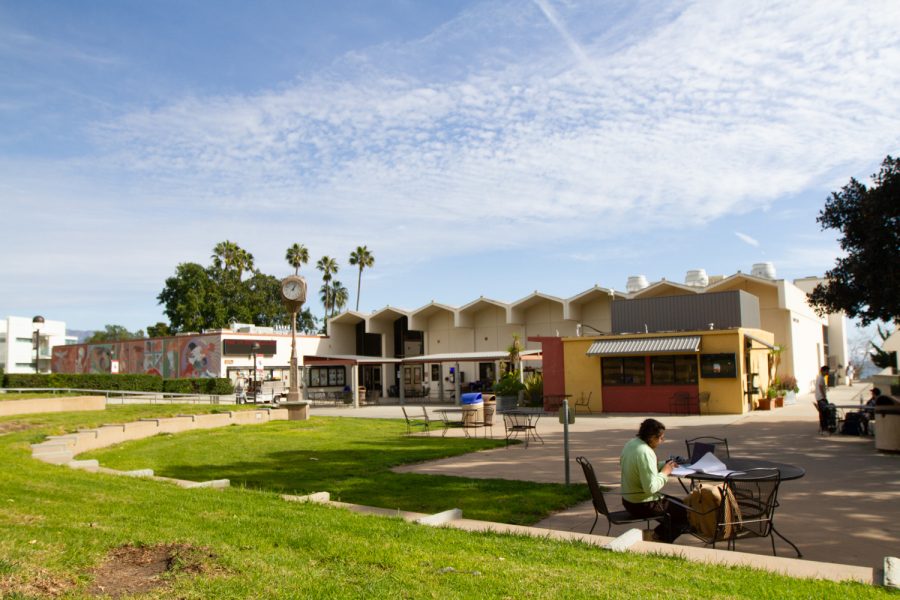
(726, 396)
(582, 372)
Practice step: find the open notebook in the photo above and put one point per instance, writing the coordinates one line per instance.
(708, 464)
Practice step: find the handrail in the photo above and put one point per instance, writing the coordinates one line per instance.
(122, 395)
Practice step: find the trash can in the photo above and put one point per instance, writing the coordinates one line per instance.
(887, 424)
(473, 401)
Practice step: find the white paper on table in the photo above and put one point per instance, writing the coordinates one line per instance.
(683, 471)
(710, 464)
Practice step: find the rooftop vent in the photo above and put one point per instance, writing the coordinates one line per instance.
(765, 270)
(636, 283)
(696, 278)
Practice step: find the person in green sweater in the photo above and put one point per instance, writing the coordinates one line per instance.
(643, 477)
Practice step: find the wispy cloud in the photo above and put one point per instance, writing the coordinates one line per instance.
(747, 239)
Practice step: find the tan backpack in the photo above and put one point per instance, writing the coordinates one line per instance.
(706, 499)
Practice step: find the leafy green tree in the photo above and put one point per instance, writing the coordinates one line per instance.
(114, 333)
(881, 358)
(193, 300)
(297, 256)
(866, 282)
(364, 259)
(159, 330)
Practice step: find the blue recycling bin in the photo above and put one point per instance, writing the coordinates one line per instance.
(471, 398)
(473, 408)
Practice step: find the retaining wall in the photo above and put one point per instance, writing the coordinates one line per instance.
(51, 404)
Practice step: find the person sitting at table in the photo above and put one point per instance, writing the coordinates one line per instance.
(869, 408)
(643, 477)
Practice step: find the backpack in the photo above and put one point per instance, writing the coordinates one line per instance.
(854, 424)
(706, 500)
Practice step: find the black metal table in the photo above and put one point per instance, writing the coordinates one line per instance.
(788, 472)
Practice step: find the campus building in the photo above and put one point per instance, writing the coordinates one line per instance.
(19, 336)
(740, 331)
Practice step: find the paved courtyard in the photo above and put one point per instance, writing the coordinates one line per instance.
(845, 510)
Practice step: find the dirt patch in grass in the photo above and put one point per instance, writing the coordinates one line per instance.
(12, 426)
(140, 569)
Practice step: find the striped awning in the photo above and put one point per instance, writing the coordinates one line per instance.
(656, 345)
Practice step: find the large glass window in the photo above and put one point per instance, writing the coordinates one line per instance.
(326, 376)
(628, 370)
(673, 370)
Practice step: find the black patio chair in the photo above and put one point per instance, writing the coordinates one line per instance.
(584, 401)
(697, 447)
(618, 517)
(747, 509)
(412, 422)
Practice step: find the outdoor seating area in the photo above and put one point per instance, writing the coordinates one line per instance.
(836, 482)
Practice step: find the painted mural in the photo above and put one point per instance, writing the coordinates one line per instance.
(176, 357)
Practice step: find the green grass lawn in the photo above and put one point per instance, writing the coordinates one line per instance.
(351, 459)
(57, 524)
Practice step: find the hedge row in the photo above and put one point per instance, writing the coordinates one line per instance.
(124, 382)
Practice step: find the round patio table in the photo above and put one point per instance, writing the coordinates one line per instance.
(787, 471)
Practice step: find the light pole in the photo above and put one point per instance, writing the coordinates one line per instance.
(255, 349)
(36, 325)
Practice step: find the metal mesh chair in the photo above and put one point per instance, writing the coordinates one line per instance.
(412, 422)
(698, 446)
(618, 517)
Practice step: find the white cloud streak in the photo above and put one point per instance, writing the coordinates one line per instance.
(747, 239)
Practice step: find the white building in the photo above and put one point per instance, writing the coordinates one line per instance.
(17, 343)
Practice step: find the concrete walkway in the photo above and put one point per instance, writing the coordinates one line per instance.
(845, 510)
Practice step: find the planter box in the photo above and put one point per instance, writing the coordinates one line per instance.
(779, 401)
(765, 404)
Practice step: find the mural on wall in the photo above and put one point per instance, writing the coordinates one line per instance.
(153, 357)
(198, 356)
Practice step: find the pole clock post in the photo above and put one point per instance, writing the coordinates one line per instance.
(293, 294)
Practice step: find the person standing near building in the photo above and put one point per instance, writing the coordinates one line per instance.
(850, 373)
(822, 385)
(643, 478)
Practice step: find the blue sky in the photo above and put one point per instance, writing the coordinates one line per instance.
(476, 147)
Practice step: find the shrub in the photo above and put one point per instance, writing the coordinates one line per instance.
(131, 382)
(509, 385)
(788, 383)
(534, 389)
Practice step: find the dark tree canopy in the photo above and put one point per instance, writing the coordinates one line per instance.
(866, 282)
(114, 333)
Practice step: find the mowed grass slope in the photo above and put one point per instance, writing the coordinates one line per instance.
(57, 524)
(351, 459)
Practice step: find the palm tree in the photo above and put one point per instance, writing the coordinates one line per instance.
(339, 296)
(329, 267)
(364, 259)
(327, 298)
(228, 256)
(297, 256)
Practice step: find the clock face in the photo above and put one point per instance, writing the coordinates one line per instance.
(291, 290)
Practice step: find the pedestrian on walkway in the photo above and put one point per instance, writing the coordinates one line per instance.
(822, 385)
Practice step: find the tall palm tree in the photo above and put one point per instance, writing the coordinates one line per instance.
(327, 298)
(297, 256)
(329, 267)
(339, 296)
(228, 256)
(362, 258)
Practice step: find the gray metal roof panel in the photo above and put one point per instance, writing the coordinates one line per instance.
(655, 345)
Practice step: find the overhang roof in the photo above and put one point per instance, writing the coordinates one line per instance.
(346, 359)
(467, 356)
(647, 345)
(759, 341)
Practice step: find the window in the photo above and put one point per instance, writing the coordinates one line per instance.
(627, 370)
(673, 370)
(718, 366)
(326, 376)
(435, 372)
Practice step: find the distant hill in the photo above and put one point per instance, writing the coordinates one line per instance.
(81, 334)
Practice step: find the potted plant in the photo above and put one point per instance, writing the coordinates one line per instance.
(789, 389)
(507, 390)
(765, 403)
(534, 389)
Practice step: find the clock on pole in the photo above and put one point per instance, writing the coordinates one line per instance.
(293, 295)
